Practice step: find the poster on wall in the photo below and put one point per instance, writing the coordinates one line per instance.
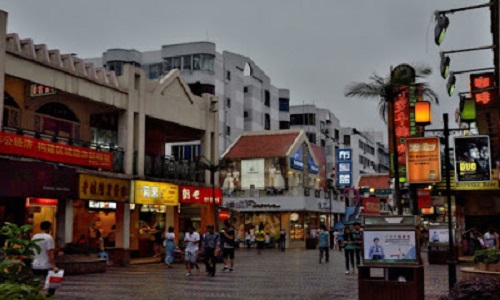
(423, 160)
(230, 178)
(275, 174)
(438, 236)
(472, 158)
(252, 174)
(389, 247)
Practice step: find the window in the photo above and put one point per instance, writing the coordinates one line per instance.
(186, 62)
(177, 63)
(228, 102)
(361, 160)
(198, 89)
(303, 119)
(337, 134)
(267, 98)
(245, 114)
(336, 149)
(196, 62)
(311, 137)
(361, 145)
(228, 75)
(116, 66)
(323, 143)
(245, 89)
(284, 104)
(228, 130)
(155, 71)
(284, 125)
(205, 62)
(167, 64)
(322, 126)
(347, 140)
(267, 122)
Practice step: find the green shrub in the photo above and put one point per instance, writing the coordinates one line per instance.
(488, 256)
(479, 288)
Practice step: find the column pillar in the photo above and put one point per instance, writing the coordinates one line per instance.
(121, 253)
(3, 47)
(64, 226)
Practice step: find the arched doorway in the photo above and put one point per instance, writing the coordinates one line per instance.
(11, 112)
(57, 119)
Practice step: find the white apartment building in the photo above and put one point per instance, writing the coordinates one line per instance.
(247, 99)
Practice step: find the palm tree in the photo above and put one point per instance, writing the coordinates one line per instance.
(386, 89)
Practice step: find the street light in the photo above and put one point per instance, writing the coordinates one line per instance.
(452, 271)
(450, 85)
(467, 109)
(442, 23)
(445, 65)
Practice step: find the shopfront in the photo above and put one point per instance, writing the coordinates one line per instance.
(33, 192)
(153, 207)
(197, 207)
(96, 208)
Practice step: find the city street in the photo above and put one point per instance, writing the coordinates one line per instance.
(294, 274)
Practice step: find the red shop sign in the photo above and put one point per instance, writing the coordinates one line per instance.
(223, 215)
(25, 146)
(371, 206)
(199, 195)
(424, 198)
(32, 202)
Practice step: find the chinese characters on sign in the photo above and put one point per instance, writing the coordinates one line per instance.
(155, 193)
(101, 188)
(30, 147)
(424, 198)
(423, 160)
(199, 195)
(344, 167)
(480, 82)
(472, 159)
(37, 90)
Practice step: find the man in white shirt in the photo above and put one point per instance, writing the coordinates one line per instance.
(192, 240)
(44, 260)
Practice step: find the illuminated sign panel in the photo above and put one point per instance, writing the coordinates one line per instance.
(472, 159)
(482, 81)
(423, 160)
(155, 193)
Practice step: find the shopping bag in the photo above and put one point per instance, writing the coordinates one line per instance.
(54, 280)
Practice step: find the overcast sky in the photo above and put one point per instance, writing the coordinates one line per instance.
(314, 48)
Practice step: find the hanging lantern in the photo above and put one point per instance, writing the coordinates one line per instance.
(468, 110)
(423, 113)
(223, 215)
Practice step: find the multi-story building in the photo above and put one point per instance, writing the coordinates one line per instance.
(321, 127)
(248, 100)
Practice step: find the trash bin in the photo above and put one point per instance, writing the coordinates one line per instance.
(311, 243)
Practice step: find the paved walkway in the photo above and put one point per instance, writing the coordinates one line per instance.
(294, 274)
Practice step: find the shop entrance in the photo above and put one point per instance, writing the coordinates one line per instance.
(39, 210)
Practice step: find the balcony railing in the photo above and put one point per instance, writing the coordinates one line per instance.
(169, 168)
(118, 153)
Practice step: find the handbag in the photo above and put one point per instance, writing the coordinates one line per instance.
(54, 280)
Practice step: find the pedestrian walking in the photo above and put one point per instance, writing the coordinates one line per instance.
(323, 243)
(341, 240)
(170, 247)
(282, 241)
(211, 247)
(192, 240)
(491, 239)
(228, 253)
(44, 259)
(357, 235)
(336, 240)
(260, 237)
(349, 250)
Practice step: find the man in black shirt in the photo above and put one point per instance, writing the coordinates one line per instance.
(228, 252)
(211, 241)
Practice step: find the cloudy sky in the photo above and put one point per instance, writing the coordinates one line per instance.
(314, 48)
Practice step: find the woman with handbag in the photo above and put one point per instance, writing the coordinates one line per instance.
(170, 246)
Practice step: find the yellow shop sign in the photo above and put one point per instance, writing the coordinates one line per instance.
(155, 193)
(102, 188)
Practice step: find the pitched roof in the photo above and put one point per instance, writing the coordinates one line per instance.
(262, 144)
(375, 181)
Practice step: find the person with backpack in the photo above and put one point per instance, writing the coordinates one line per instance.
(211, 247)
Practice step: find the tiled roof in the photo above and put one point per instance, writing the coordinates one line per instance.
(262, 146)
(319, 153)
(375, 181)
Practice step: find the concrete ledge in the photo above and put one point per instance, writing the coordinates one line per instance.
(80, 264)
(471, 273)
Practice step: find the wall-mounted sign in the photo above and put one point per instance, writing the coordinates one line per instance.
(223, 215)
(37, 90)
(423, 160)
(102, 205)
(102, 188)
(371, 206)
(38, 202)
(30, 147)
(472, 159)
(296, 160)
(480, 82)
(423, 198)
(155, 193)
(311, 166)
(199, 195)
(252, 174)
(344, 167)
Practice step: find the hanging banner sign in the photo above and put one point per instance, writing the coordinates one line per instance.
(155, 193)
(344, 167)
(423, 160)
(311, 166)
(472, 159)
(199, 195)
(296, 160)
(102, 188)
(30, 147)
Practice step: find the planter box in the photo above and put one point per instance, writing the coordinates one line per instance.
(480, 267)
(487, 267)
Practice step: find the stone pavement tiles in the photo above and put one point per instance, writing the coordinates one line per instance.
(294, 274)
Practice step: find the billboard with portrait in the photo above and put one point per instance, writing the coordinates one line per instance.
(230, 178)
(472, 158)
(398, 247)
(438, 236)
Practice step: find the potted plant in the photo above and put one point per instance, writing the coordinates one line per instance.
(487, 260)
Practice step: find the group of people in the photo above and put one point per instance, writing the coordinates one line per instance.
(351, 240)
(473, 240)
(210, 245)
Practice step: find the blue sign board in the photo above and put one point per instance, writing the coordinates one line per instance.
(344, 167)
(311, 166)
(296, 160)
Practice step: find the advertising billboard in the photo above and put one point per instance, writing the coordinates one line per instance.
(155, 193)
(423, 160)
(344, 167)
(438, 236)
(252, 174)
(472, 159)
(389, 247)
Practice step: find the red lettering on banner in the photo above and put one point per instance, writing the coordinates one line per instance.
(199, 195)
(35, 148)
